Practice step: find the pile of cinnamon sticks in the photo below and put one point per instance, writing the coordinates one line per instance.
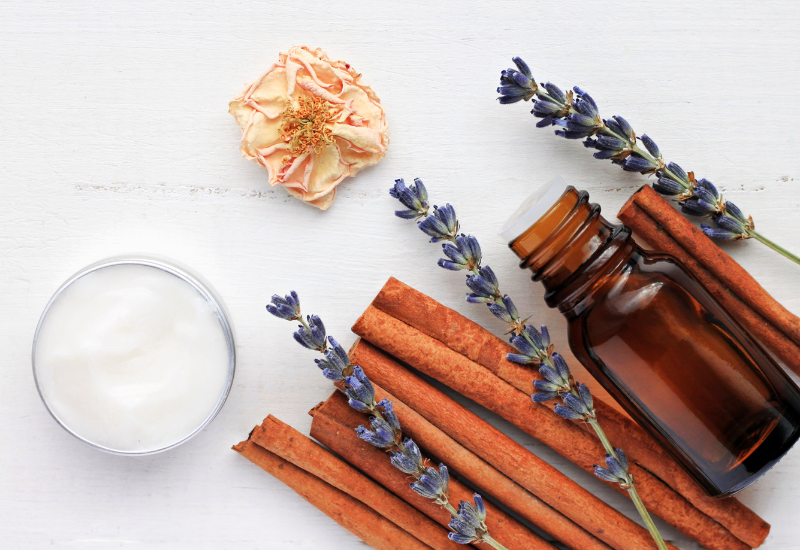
(358, 487)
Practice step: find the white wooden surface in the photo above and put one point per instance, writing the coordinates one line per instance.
(115, 137)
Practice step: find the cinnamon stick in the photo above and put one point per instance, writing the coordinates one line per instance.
(657, 223)
(356, 517)
(484, 387)
(289, 444)
(502, 454)
(481, 346)
(335, 428)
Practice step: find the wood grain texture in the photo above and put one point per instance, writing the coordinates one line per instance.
(116, 138)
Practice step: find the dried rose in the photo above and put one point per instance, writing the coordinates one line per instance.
(311, 123)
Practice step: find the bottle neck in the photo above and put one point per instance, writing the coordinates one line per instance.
(571, 249)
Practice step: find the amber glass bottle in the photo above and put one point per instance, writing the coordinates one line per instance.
(662, 346)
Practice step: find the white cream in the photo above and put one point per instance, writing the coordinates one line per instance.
(132, 358)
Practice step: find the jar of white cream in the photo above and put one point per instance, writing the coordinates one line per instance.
(134, 355)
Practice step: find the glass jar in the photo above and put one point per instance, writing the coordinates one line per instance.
(659, 343)
(134, 355)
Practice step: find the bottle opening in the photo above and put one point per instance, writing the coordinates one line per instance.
(533, 208)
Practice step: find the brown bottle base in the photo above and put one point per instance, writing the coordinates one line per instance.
(765, 456)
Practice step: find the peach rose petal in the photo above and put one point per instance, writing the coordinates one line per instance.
(362, 103)
(293, 177)
(269, 96)
(319, 70)
(292, 68)
(322, 203)
(328, 171)
(315, 89)
(258, 82)
(310, 160)
(360, 137)
(262, 132)
(355, 160)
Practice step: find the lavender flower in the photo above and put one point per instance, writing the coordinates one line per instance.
(673, 180)
(403, 463)
(505, 310)
(719, 233)
(465, 254)
(414, 198)
(441, 225)
(433, 484)
(532, 345)
(382, 434)
(577, 117)
(705, 200)
(576, 407)
(731, 224)
(583, 119)
(311, 335)
(335, 361)
(388, 413)
(609, 147)
(552, 104)
(616, 470)
(516, 85)
(359, 390)
(408, 458)
(557, 372)
(287, 308)
(651, 147)
(567, 412)
(731, 210)
(484, 286)
(469, 526)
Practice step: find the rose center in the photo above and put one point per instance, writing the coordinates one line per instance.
(306, 127)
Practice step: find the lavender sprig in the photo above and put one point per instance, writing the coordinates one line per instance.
(577, 116)
(533, 346)
(470, 525)
(384, 432)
